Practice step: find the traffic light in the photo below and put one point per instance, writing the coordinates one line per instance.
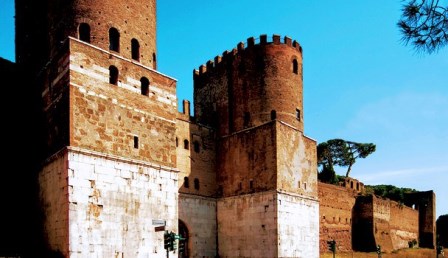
(173, 241)
(167, 240)
(332, 245)
(181, 245)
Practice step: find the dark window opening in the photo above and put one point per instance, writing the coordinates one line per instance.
(298, 114)
(135, 50)
(114, 40)
(135, 142)
(177, 142)
(251, 184)
(196, 146)
(113, 75)
(304, 186)
(351, 184)
(196, 184)
(357, 186)
(295, 66)
(246, 119)
(144, 84)
(84, 32)
(186, 182)
(154, 60)
(273, 114)
(240, 186)
(186, 144)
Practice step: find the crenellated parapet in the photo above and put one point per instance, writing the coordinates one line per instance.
(256, 82)
(251, 42)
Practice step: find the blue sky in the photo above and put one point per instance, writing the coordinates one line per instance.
(360, 82)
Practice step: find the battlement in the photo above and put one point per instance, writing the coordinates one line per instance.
(263, 40)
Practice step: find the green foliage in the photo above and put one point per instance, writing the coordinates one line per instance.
(339, 152)
(424, 24)
(389, 191)
(327, 175)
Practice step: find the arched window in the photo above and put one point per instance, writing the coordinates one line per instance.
(144, 84)
(186, 182)
(295, 66)
(196, 184)
(186, 144)
(113, 75)
(114, 40)
(135, 50)
(84, 32)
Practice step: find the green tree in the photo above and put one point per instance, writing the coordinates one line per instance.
(424, 24)
(389, 191)
(339, 152)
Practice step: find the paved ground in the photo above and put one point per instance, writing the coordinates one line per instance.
(408, 253)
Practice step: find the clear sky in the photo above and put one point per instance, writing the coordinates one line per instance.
(360, 82)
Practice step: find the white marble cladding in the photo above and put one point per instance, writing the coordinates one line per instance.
(298, 226)
(112, 204)
(199, 215)
(247, 225)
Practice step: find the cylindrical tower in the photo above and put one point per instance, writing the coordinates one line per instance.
(126, 28)
(251, 85)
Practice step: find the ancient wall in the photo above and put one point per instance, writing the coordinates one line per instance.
(246, 161)
(121, 119)
(425, 203)
(442, 230)
(199, 216)
(55, 203)
(112, 202)
(298, 226)
(335, 211)
(195, 148)
(383, 222)
(247, 225)
(241, 88)
(404, 225)
(296, 161)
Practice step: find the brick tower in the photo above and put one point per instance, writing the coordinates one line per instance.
(267, 203)
(109, 156)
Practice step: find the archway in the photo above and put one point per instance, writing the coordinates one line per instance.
(183, 231)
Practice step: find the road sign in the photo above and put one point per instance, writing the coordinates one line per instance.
(158, 222)
(159, 228)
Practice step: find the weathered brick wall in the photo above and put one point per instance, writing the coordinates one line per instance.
(132, 19)
(112, 202)
(298, 226)
(199, 215)
(243, 87)
(442, 230)
(247, 226)
(197, 161)
(425, 202)
(335, 208)
(296, 162)
(403, 225)
(246, 161)
(107, 118)
(54, 200)
(54, 81)
(381, 226)
(362, 224)
(383, 222)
